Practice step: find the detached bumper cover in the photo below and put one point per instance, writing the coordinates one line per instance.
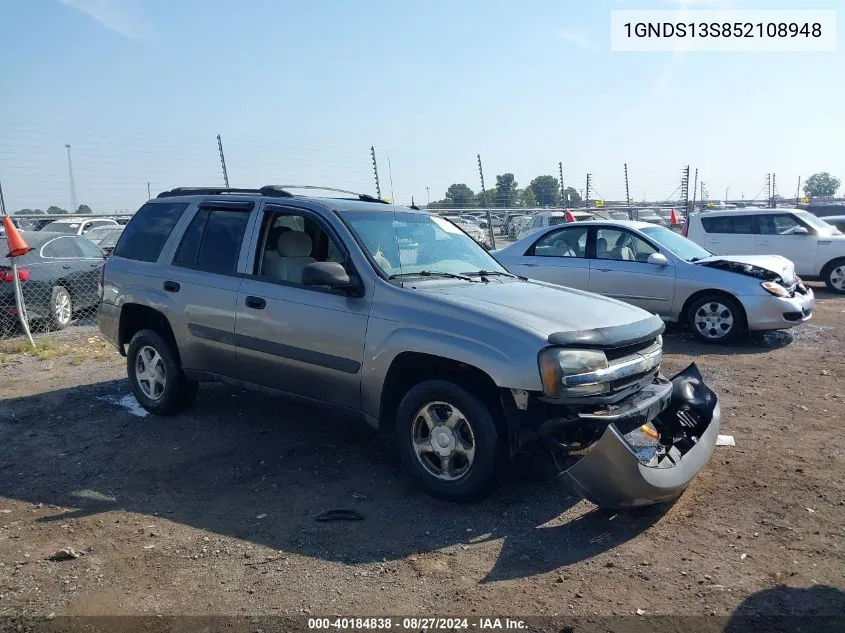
(611, 474)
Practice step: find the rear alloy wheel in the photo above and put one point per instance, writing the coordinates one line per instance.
(155, 377)
(716, 319)
(448, 441)
(835, 278)
(61, 308)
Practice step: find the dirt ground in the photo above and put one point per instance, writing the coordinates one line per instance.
(212, 512)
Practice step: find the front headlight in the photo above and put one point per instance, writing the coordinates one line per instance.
(556, 363)
(774, 288)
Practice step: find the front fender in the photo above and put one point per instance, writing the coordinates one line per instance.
(385, 342)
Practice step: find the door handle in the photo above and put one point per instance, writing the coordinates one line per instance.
(256, 303)
(171, 286)
(66, 266)
(764, 243)
(605, 270)
(531, 265)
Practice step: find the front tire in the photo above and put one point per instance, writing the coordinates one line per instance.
(834, 277)
(155, 376)
(61, 308)
(448, 441)
(716, 319)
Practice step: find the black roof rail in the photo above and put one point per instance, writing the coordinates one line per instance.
(270, 190)
(361, 196)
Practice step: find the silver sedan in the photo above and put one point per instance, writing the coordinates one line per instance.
(720, 297)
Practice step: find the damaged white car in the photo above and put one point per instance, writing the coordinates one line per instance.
(719, 297)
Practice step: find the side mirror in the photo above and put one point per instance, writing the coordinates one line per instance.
(329, 274)
(800, 230)
(658, 259)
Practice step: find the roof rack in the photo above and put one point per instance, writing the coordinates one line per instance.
(270, 190)
(361, 196)
(280, 191)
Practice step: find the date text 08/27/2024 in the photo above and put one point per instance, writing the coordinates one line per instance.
(415, 623)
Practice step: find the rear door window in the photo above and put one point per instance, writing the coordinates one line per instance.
(729, 224)
(148, 230)
(61, 248)
(212, 241)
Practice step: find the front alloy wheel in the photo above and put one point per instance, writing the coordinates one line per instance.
(443, 440)
(448, 441)
(150, 373)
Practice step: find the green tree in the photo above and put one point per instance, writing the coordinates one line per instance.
(505, 190)
(54, 210)
(547, 190)
(571, 195)
(460, 195)
(527, 197)
(84, 208)
(821, 185)
(491, 198)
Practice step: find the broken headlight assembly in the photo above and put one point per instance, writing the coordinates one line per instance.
(558, 365)
(774, 288)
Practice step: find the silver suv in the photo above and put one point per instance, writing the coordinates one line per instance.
(397, 315)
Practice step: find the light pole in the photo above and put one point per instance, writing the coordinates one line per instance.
(73, 202)
(427, 196)
(726, 193)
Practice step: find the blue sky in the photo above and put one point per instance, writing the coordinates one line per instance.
(299, 91)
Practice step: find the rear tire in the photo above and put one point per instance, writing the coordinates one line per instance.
(61, 308)
(716, 319)
(448, 441)
(155, 376)
(834, 276)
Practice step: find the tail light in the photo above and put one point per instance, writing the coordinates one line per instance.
(7, 277)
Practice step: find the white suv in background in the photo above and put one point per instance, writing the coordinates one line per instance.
(816, 248)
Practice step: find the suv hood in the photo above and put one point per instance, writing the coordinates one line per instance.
(549, 309)
(766, 267)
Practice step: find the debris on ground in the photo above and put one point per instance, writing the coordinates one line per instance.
(341, 514)
(725, 440)
(64, 554)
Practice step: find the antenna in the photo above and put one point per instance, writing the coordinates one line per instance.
(390, 173)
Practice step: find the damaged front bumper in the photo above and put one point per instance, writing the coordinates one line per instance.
(611, 471)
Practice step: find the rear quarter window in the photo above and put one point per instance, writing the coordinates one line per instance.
(148, 230)
(743, 224)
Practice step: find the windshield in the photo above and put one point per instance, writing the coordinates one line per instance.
(677, 244)
(409, 243)
(62, 227)
(109, 240)
(821, 227)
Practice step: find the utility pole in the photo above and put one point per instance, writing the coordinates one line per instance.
(726, 194)
(694, 189)
(74, 205)
(773, 202)
(427, 196)
(685, 188)
(769, 188)
(587, 197)
(484, 199)
(628, 194)
(798, 191)
(702, 192)
(149, 195)
(375, 170)
(562, 189)
(223, 161)
(2, 201)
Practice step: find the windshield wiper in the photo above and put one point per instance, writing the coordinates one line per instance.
(434, 273)
(489, 273)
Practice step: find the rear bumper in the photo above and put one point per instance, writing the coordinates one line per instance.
(774, 313)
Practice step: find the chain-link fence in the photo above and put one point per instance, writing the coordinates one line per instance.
(59, 278)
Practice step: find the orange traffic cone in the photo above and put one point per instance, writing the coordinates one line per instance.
(17, 245)
(673, 218)
(569, 216)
